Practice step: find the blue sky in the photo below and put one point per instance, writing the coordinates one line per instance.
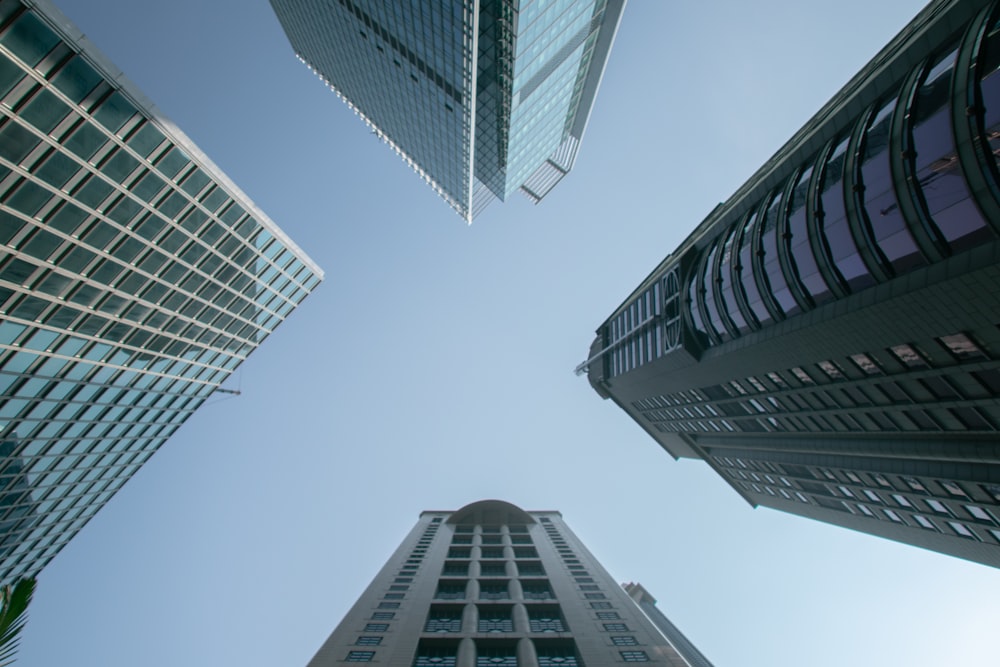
(433, 367)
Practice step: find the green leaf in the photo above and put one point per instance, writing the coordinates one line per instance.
(13, 615)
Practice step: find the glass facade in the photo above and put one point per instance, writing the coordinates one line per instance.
(838, 314)
(134, 278)
(859, 213)
(480, 98)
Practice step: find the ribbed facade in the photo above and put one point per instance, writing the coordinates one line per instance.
(480, 98)
(827, 338)
(134, 278)
(491, 584)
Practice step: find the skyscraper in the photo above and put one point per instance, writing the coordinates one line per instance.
(827, 338)
(491, 584)
(481, 98)
(134, 278)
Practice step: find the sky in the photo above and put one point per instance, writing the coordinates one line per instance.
(434, 366)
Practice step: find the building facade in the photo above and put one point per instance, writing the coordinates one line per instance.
(134, 278)
(491, 584)
(480, 97)
(827, 338)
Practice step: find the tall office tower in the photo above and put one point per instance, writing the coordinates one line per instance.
(491, 584)
(134, 277)
(827, 338)
(480, 97)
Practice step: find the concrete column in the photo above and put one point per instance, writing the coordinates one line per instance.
(470, 618)
(466, 656)
(520, 615)
(472, 590)
(516, 593)
(526, 656)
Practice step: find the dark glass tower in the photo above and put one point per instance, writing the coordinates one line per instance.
(827, 338)
(134, 278)
(491, 584)
(480, 98)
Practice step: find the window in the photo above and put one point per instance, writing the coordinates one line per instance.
(600, 605)
(594, 596)
(924, 522)
(433, 655)
(536, 590)
(393, 596)
(383, 615)
(867, 364)
(450, 591)
(495, 619)
(962, 347)
(608, 615)
(376, 627)
(937, 506)
(388, 605)
(455, 569)
(496, 656)
(893, 516)
(589, 587)
(624, 640)
(368, 640)
(459, 553)
(444, 619)
(615, 627)
(494, 591)
(961, 529)
(634, 656)
(489, 552)
(909, 356)
(979, 513)
(545, 619)
(954, 489)
(832, 370)
(530, 568)
(556, 654)
(493, 569)
(360, 656)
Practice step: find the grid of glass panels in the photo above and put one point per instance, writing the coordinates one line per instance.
(133, 280)
(406, 69)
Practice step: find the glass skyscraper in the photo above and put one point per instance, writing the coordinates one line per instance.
(491, 584)
(134, 277)
(481, 98)
(827, 339)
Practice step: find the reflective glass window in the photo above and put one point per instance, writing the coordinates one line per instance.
(989, 86)
(799, 249)
(76, 79)
(29, 38)
(725, 274)
(836, 232)
(711, 308)
(745, 271)
(886, 220)
(937, 169)
(772, 265)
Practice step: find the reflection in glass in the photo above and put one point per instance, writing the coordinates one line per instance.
(839, 242)
(745, 271)
(725, 275)
(797, 244)
(886, 219)
(772, 266)
(936, 162)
